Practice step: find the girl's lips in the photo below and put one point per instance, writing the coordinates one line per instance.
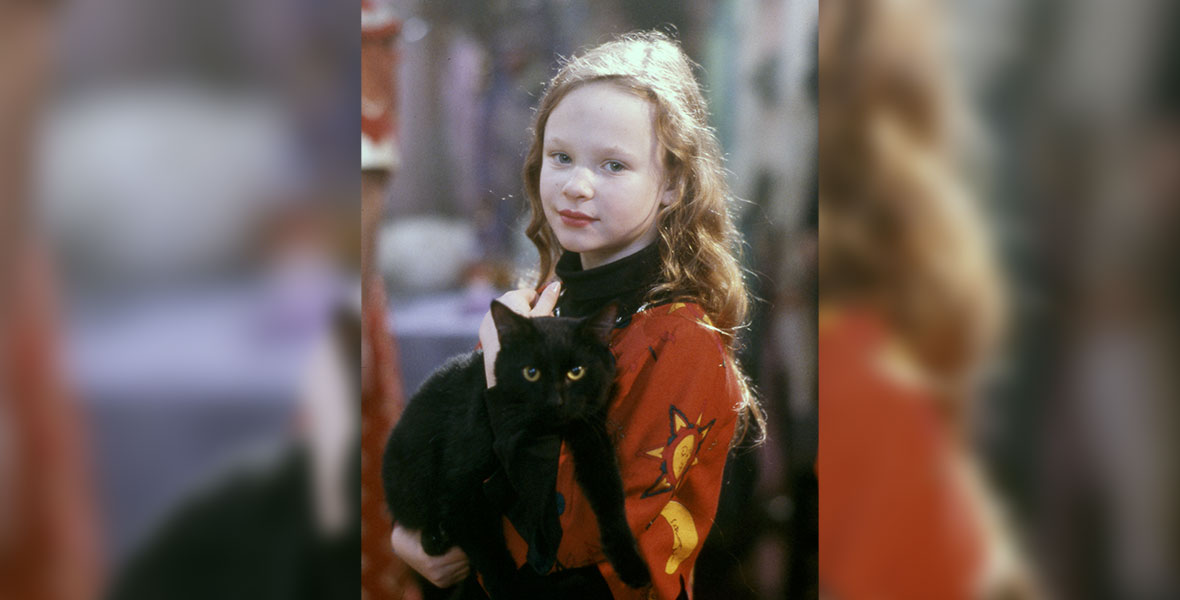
(573, 218)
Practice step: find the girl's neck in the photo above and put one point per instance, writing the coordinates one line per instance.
(626, 280)
(593, 260)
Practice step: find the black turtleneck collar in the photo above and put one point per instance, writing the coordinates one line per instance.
(626, 281)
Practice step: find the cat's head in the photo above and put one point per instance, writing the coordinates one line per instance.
(561, 366)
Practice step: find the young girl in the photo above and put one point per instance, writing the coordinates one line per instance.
(629, 205)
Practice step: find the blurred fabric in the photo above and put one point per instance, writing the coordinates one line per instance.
(180, 200)
(50, 529)
(969, 147)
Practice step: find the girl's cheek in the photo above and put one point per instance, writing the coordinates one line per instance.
(548, 182)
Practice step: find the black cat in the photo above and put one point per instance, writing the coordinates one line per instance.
(554, 377)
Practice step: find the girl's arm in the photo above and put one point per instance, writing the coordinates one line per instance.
(676, 417)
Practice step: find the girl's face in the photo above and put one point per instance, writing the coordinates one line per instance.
(602, 181)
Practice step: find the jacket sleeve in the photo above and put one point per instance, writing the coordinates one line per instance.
(673, 420)
(894, 522)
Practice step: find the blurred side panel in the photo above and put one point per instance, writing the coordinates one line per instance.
(195, 181)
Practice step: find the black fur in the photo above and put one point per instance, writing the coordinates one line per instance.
(441, 451)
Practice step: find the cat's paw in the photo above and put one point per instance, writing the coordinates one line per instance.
(630, 566)
(634, 572)
(435, 542)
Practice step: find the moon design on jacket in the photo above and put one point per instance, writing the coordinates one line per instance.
(684, 534)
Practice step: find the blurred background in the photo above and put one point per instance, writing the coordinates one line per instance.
(1075, 159)
(1057, 123)
(183, 241)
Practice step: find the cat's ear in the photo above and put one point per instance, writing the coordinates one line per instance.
(508, 322)
(601, 323)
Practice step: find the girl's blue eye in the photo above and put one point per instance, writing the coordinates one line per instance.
(561, 158)
(614, 166)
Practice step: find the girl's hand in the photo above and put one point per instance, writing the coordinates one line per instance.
(443, 571)
(521, 301)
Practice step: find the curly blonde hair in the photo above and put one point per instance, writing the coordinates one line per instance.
(698, 244)
(899, 228)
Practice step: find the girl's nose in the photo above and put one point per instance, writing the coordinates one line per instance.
(578, 186)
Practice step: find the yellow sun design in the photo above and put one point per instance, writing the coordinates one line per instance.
(679, 453)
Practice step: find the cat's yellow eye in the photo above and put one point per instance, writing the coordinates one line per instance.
(576, 373)
(531, 373)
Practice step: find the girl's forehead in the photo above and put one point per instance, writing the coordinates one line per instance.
(605, 92)
(602, 113)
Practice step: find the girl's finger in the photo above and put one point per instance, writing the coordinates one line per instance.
(520, 301)
(459, 574)
(451, 573)
(547, 301)
(453, 557)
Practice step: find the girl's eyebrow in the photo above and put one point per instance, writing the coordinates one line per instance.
(617, 151)
(612, 150)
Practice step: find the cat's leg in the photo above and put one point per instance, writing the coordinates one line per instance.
(436, 539)
(597, 472)
(483, 541)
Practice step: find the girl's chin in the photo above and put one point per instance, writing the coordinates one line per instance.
(573, 243)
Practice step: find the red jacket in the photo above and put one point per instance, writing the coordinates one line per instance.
(894, 520)
(671, 420)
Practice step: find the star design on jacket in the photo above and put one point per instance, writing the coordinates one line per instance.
(679, 453)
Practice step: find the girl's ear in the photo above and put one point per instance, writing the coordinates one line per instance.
(668, 196)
